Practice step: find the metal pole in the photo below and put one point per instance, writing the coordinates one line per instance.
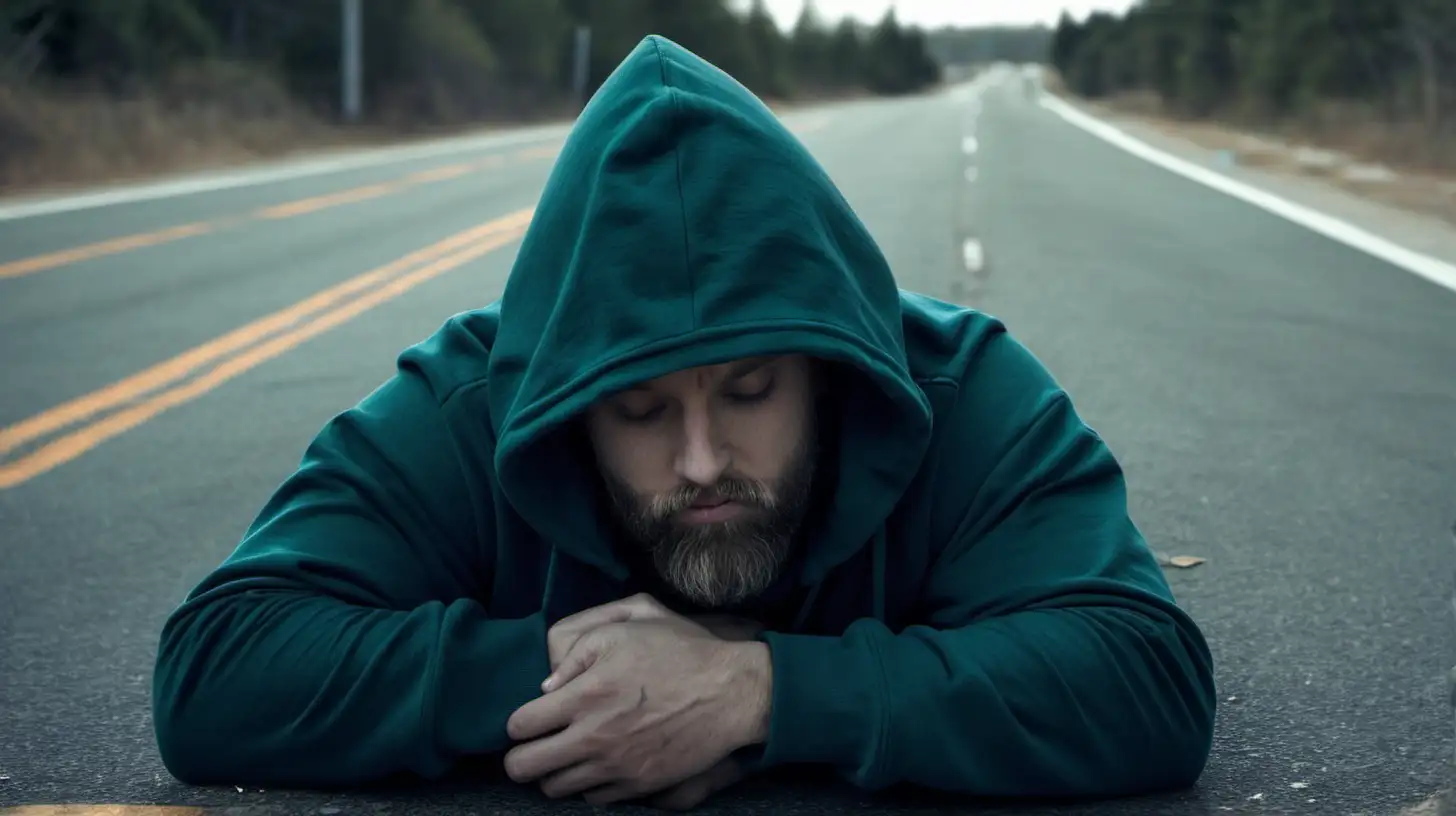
(353, 60)
(583, 58)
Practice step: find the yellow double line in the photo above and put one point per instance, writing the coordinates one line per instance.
(144, 395)
(288, 209)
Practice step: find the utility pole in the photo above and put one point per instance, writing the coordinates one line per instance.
(352, 60)
(582, 61)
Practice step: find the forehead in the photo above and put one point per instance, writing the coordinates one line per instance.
(710, 376)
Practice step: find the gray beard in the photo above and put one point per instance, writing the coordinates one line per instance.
(720, 565)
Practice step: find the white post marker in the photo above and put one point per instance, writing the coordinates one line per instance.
(973, 255)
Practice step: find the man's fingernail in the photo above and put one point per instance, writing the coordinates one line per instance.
(549, 683)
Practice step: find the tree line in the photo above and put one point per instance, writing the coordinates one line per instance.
(1270, 59)
(987, 44)
(447, 60)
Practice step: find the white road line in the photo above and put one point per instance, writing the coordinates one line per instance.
(969, 145)
(285, 170)
(1432, 269)
(972, 174)
(273, 172)
(974, 255)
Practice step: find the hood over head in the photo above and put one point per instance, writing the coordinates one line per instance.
(683, 225)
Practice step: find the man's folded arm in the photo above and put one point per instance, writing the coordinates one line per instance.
(1050, 659)
(342, 641)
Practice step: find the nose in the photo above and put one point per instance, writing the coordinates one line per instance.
(703, 457)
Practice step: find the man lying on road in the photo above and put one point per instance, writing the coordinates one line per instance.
(703, 494)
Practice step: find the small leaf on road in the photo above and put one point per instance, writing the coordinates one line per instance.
(1179, 561)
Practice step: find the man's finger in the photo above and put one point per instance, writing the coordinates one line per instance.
(564, 634)
(635, 607)
(533, 760)
(570, 781)
(579, 659)
(543, 715)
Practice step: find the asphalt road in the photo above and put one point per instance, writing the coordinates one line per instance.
(1285, 407)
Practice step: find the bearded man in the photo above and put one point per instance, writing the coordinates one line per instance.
(703, 494)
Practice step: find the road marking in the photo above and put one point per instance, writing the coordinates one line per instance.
(316, 203)
(1432, 269)
(969, 145)
(100, 249)
(251, 344)
(449, 171)
(972, 174)
(101, 810)
(286, 171)
(78, 442)
(288, 209)
(176, 368)
(548, 152)
(974, 255)
(814, 124)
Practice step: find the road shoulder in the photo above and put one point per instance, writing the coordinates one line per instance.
(1420, 232)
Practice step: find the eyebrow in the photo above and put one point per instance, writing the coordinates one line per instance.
(739, 370)
(746, 367)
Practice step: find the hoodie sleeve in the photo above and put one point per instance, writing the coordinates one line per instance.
(1050, 660)
(343, 640)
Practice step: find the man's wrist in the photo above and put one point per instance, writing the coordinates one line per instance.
(753, 676)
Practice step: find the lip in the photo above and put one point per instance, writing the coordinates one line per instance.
(709, 513)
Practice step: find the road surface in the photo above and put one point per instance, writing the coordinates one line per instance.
(1284, 404)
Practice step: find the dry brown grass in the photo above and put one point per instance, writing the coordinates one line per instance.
(219, 115)
(210, 116)
(53, 138)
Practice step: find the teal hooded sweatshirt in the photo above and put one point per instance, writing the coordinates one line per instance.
(973, 611)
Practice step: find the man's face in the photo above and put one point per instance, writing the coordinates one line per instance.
(710, 470)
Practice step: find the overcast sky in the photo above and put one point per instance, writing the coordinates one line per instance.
(933, 13)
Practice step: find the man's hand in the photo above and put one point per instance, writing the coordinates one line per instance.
(563, 635)
(639, 706)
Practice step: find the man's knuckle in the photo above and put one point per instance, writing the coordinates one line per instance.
(646, 604)
(599, 745)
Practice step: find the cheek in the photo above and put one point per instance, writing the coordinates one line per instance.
(639, 460)
(768, 442)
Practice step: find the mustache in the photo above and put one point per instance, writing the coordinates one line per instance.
(743, 491)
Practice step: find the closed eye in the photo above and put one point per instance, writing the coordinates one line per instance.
(753, 397)
(641, 417)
